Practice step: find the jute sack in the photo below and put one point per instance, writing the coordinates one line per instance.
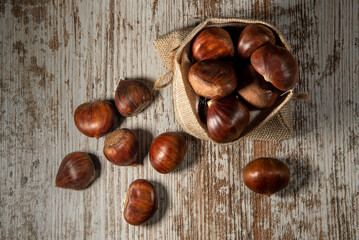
(273, 124)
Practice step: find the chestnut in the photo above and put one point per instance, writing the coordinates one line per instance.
(76, 171)
(141, 202)
(255, 90)
(212, 43)
(212, 78)
(131, 97)
(252, 37)
(277, 65)
(121, 147)
(95, 119)
(266, 175)
(167, 151)
(226, 118)
(202, 108)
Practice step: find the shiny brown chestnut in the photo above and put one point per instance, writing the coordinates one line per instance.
(131, 97)
(212, 43)
(213, 78)
(95, 119)
(266, 175)
(277, 65)
(121, 147)
(226, 118)
(141, 202)
(253, 37)
(167, 151)
(76, 171)
(202, 108)
(255, 90)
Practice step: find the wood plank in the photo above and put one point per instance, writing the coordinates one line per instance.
(56, 55)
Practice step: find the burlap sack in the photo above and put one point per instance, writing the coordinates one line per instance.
(273, 124)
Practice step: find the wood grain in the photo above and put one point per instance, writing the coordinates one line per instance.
(56, 55)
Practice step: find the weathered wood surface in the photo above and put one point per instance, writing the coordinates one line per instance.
(56, 55)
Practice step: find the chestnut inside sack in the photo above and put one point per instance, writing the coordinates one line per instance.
(175, 49)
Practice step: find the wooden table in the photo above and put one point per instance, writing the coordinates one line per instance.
(56, 55)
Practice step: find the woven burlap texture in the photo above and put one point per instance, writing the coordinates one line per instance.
(174, 49)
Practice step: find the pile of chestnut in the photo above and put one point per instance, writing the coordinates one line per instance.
(268, 71)
(230, 82)
(121, 147)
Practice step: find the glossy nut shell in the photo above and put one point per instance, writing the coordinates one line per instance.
(131, 97)
(277, 66)
(255, 90)
(213, 78)
(141, 202)
(95, 119)
(212, 43)
(76, 171)
(167, 152)
(121, 147)
(226, 118)
(253, 37)
(266, 175)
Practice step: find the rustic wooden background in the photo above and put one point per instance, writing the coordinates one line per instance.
(56, 55)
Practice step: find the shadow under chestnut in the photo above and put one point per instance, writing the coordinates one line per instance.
(145, 138)
(119, 118)
(307, 117)
(97, 165)
(193, 146)
(163, 203)
(301, 176)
